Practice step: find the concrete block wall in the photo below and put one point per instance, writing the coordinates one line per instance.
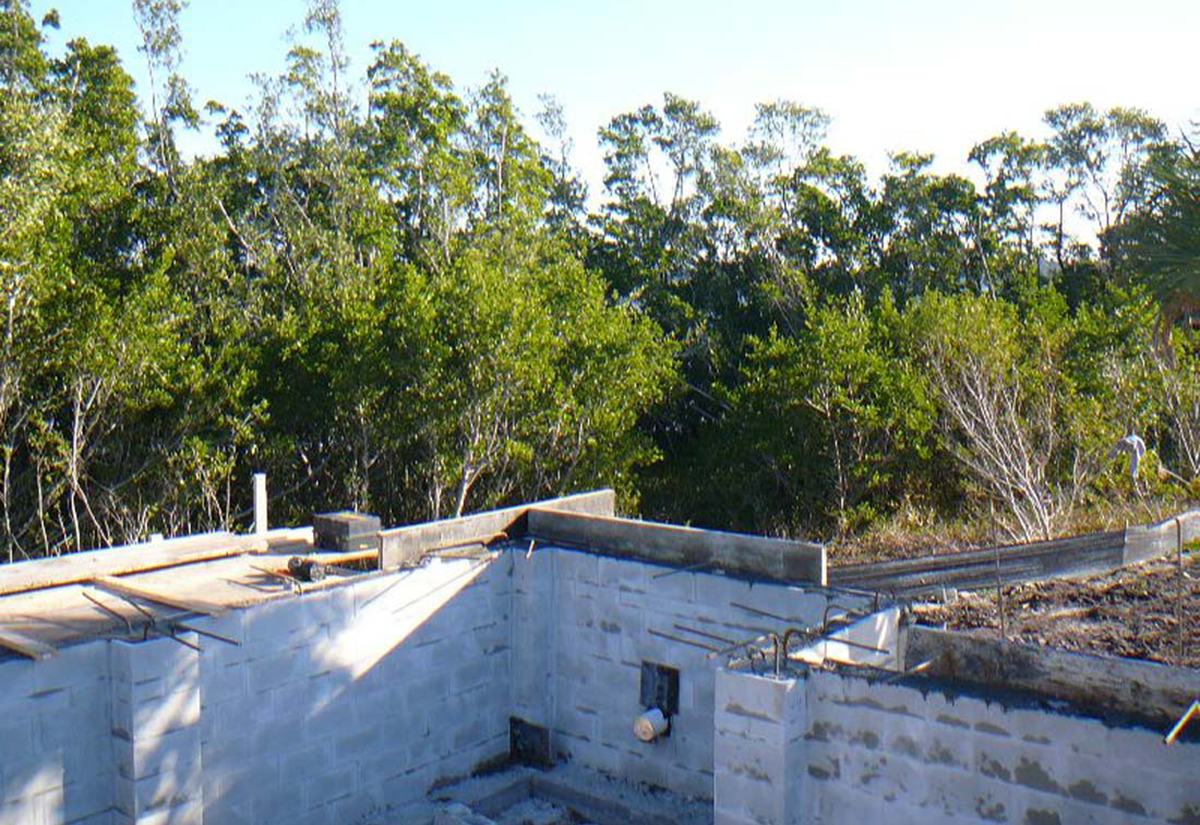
(155, 712)
(337, 704)
(757, 748)
(852, 750)
(56, 761)
(343, 703)
(929, 756)
(581, 630)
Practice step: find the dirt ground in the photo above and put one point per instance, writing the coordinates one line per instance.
(1130, 612)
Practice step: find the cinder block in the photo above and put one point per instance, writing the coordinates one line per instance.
(282, 804)
(175, 711)
(364, 803)
(376, 768)
(189, 813)
(690, 782)
(17, 677)
(276, 737)
(20, 812)
(16, 738)
(350, 746)
(76, 665)
(310, 761)
(328, 787)
(223, 682)
(667, 584)
(227, 810)
(280, 623)
(161, 659)
(739, 797)
(88, 756)
(25, 778)
(143, 758)
(178, 781)
(277, 669)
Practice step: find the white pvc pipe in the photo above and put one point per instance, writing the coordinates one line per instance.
(260, 502)
(650, 725)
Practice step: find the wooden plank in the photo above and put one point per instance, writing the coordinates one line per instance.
(156, 596)
(405, 545)
(1105, 683)
(342, 558)
(20, 643)
(674, 546)
(77, 568)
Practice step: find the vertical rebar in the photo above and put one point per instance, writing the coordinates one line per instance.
(1000, 596)
(1180, 587)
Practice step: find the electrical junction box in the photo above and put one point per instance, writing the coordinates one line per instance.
(660, 688)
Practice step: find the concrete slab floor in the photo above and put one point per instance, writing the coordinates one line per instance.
(566, 795)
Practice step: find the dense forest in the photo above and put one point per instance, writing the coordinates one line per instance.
(392, 294)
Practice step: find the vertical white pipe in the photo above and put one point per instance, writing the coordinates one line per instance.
(260, 502)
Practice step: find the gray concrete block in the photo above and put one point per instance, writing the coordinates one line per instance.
(35, 773)
(328, 787)
(310, 761)
(73, 666)
(17, 677)
(360, 805)
(16, 737)
(189, 813)
(275, 737)
(179, 780)
(223, 682)
(161, 659)
(376, 768)
(350, 745)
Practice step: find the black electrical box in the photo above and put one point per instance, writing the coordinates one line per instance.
(660, 688)
(346, 531)
(529, 744)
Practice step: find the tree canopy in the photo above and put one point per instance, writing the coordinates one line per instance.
(407, 301)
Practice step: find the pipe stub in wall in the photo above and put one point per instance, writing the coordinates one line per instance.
(650, 725)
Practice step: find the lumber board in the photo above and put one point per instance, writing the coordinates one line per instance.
(157, 596)
(20, 643)
(79, 568)
(405, 545)
(674, 546)
(1106, 683)
(343, 557)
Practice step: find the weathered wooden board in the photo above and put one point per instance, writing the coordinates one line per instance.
(671, 545)
(976, 569)
(1144, 689)
(76, 568)
(20, 643)
(157, 596)
(405, 545)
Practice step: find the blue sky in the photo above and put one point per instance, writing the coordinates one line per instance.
(929, 75)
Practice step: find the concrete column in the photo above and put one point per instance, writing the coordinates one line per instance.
(156, 733)
(757, 749)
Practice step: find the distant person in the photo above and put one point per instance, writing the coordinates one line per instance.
(1136, 448)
